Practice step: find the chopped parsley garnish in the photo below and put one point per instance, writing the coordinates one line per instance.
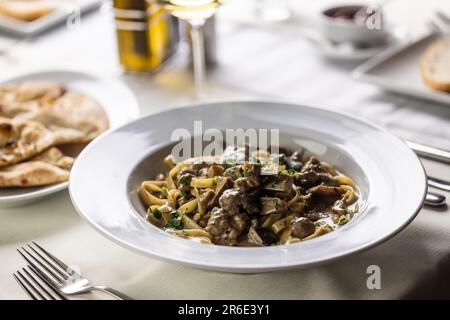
(183, 194)
(183, 180)
(157, 214)
(233, 172)
(343, 220)
(175, 222)
(175, 214)
(289, 172)
(277, 204)
(247, 173)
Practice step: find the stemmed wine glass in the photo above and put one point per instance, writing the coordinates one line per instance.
(195, 13)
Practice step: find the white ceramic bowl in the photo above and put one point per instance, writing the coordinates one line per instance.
(391, 179)
(341, 30)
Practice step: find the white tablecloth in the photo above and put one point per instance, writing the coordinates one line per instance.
(252, 63)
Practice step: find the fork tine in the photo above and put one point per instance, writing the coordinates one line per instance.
(441, 15)
(33, 274)
(25, 288)
(441, 22)
(56, 269)
(48, 283)
(42, 273)
(25, 283)
(55, 259)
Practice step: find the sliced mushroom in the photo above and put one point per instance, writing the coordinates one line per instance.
(326, 191)
(246, 184)
(282, 185)
(310, 179)
(254, 238)
(313, 165)
(233, 172)
(272, 205)
(206, 198)
(242, 184)
(215, 170)
(261, 236)
(250, 202)
(222, 185)
(184, 182)
(302, 228)
(249, 179)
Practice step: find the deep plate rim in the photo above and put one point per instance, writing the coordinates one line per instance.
(253, 267)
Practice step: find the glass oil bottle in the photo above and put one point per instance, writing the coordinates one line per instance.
(147, 35)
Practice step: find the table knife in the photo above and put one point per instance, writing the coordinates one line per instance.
(429, 152)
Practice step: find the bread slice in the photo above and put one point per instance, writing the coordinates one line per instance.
(49, 167)
(435, 65)
(72, 117)
(25, 10)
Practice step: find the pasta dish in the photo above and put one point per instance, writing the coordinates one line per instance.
(276, 198)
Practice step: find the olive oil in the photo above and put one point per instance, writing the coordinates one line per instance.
(146, 34)
(191, 9)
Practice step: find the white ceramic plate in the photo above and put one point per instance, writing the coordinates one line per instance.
(61, 12)
(398, 70)
(347, 52)
(390, 176)
(116, 99)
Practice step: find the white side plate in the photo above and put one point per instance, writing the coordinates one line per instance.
(116, 99)
(398, 71)
(57, 16)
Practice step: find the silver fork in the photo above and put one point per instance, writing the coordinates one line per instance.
(442, 21)
(60, 276)
(35, 286)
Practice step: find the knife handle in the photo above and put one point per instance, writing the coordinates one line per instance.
(435, 200)
(429, 152)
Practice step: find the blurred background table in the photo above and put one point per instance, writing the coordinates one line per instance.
(256, 62)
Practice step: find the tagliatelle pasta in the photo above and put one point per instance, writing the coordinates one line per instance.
(211, 200)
